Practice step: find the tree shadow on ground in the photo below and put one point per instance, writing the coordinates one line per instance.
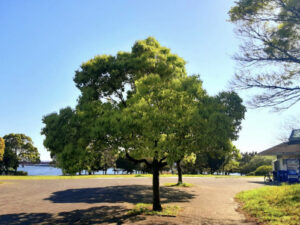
(117, 194)
(95, 215)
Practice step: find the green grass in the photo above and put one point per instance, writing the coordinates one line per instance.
(273, 205)
(178, 185)
(146, 209)
(111, 176)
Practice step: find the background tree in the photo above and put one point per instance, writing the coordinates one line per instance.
(270, 54)
(79, 139)
(222, 115)
(188, 164)
(60, 133)
(10, 161)
(125, 164)
(255, 162)
(231, 163)
(22, 146)
(2, 147)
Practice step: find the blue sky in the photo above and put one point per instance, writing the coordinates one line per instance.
(42, 43)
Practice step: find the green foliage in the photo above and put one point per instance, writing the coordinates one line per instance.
(145, 209)
(246, 157)
(263, 170)
(256, 162)
(273, 205)
(188, 164)
(2, 148)
(108, 77)
(22, 146)
(232, 166)
(270, 34)
(10, 160)
(20, 173)
(126, 165)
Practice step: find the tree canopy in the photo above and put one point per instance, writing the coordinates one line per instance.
(270, 53)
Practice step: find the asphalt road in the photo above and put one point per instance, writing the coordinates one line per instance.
(106, 201)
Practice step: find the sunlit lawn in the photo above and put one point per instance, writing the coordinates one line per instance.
(273, 205)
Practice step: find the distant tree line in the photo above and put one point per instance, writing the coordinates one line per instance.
(241, 163)
(16, 149)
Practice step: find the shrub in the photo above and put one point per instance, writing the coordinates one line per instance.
(21, 173)
(273, 204)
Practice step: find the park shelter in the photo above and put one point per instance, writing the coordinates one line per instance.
(287, 166)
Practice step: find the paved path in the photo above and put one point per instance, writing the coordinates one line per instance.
(106, 201)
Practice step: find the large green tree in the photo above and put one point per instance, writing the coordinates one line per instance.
(142, 105)
(125, 81)
(270, 53)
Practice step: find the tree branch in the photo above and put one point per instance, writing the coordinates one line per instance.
(136, 161)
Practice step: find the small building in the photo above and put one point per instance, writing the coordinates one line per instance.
(287, 166)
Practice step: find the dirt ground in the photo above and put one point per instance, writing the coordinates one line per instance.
(106, 201)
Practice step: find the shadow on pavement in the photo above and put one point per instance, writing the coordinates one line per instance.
(117, 194)
(257, 182)
(95, 215)
(266, 184)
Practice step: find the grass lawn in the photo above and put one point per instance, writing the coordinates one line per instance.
(111, 176)
(146, 209)
(273, 204)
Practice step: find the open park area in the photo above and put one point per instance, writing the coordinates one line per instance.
(108, 200)
(150, 112)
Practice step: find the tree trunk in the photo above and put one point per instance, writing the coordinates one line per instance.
(155, 186)
(179, 171)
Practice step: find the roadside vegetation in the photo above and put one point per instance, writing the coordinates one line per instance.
(273, 205)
